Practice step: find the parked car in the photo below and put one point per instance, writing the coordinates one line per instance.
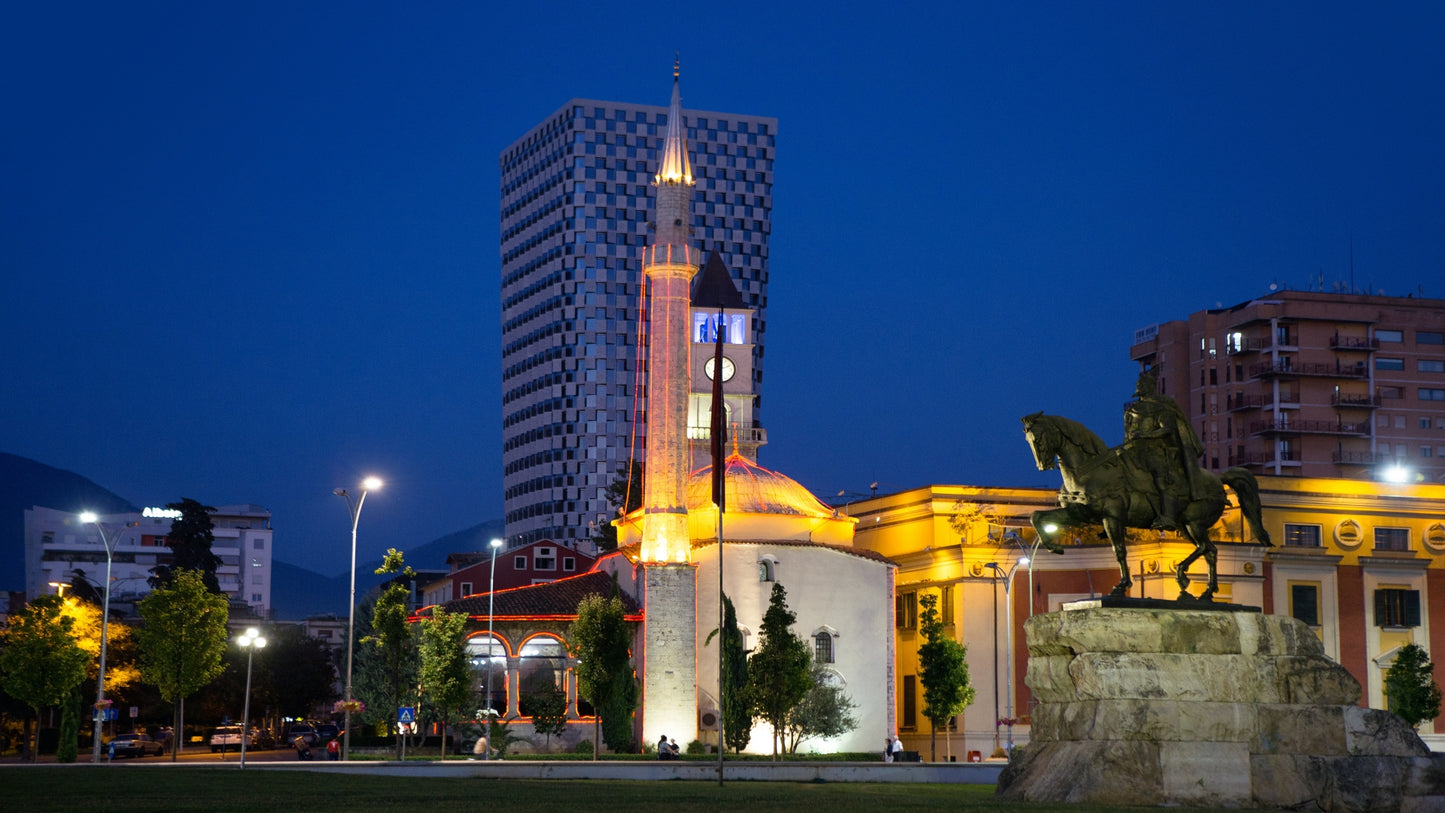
(135, 745)
(228, 738)
(326, 732)
(261, 740)
(303, 730)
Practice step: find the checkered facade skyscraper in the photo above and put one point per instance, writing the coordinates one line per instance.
(576, 212)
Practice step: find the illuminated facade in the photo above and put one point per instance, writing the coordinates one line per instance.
(575, 209)
(1362, 563)
(717, 305)
(1309, 384)
(57, 544)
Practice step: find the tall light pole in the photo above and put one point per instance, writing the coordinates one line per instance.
(367, 485)
(252, 641)
(1008, 578)
(90, 518)
(491, 645)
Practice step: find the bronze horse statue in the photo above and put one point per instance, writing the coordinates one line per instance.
(1102, 486)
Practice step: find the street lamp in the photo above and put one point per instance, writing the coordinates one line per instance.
(251, 641)
(90, 518)
(1008, 578)
(367, 485)
(491, 645)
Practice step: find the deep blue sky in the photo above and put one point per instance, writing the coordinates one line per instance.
(250, 251)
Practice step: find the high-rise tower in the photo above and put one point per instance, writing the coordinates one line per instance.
(575, 208)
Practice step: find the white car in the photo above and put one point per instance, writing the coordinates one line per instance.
(228, 738)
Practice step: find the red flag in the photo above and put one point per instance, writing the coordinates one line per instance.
(719, 419)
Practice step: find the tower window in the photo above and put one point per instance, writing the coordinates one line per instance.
(767, 570)
(823, 648)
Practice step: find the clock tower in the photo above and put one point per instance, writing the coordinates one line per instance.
(715, 293)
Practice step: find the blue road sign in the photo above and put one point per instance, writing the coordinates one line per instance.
(406, 714)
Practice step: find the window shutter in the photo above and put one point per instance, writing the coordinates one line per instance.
(1412, 608)
(1381, 613)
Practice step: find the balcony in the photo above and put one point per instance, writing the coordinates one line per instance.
(1368, 345)
(1349, 400)
(1303, 427)
(1249, 346)
(1266, 401)
(1263, 458)
(1293, 369)
(1344, 458)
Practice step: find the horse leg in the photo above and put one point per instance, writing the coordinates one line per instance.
(1198, 533)
(1181, 573)
(1114, 529)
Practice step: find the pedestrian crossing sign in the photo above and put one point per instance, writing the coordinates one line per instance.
(406, 714)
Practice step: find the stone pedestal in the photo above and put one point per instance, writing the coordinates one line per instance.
(1193, 707)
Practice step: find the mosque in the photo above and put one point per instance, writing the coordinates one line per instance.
(670, 561)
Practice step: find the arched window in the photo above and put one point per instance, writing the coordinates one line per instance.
(543, 664)
(767, 569)
(489, 656)
(823, 647)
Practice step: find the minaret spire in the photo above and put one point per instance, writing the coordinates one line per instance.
(675, 166)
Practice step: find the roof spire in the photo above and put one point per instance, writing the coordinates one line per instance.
(675, 166)
(676, 64)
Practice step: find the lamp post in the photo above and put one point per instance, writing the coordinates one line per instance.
(367, 485)
(491, 645)
(90, 518)
(252, 641)
(1008, 578)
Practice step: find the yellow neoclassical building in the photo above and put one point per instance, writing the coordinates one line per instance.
(1358, 561)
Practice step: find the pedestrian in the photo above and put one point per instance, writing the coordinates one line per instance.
(333, 750)
(887, 749)
(896, 750)
(673, 749)
(664, 752)
(481, 747)
(303, 748)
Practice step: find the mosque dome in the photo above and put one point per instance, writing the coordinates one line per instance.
(752, 489)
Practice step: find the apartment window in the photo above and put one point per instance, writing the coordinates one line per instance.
(945, 605)
(1391, 393)
(466, 589)
(258, 544)
(1430, 365)
(255, 596)
(1304, 603)
(519, 562)
(1429, 337)
(1213, 374)
(1389, 364)
(1432, 394)
(1396, 539)
(569, 564)
(823, 648)
(545, 559)
(910, 701)
(1424, 423)
(1301, 536)
(1427, 451)
(1395, 336)
(905, 611)
(1395, 607)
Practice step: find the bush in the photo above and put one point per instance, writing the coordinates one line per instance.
(696, 747)
(583, 747)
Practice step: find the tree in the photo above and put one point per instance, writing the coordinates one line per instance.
(40, 662)
(943, 671)
(393, 642)
(1410, 686)
(182, 639)
(780, 670)
(826, 711)
(737, 718)
(600, 639)
(121, 671)
(445, 675)
(549, 711)
(624, 495)
(190, 542)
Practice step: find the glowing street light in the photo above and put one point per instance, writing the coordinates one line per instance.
(1008, 578)
(367, 485)
(252, 641)
(90, 518)
(1396, 473)
(491, 645)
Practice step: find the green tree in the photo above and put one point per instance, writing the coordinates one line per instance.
(737, 718)
(624, 495)
(826, 711)
(182, 639)
(446, 677)
(190, 542)
(392, 641)
(780, 670)
(600, 639)
(68, 746)
(943, 671)
(549, 711)
(1410, 686)
(41, 663)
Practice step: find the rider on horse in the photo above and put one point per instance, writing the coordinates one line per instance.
(1160, 443)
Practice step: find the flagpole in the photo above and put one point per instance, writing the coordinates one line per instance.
(719, 494)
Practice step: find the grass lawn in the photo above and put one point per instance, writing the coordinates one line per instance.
(167, 788)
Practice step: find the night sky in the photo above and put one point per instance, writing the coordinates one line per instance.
(250, 251)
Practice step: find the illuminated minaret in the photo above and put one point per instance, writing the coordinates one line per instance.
(670, 263)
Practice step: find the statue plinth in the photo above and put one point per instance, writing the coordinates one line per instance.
(1125, 602)
(1197, 707)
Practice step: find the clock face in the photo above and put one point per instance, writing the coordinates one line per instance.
(728, 368)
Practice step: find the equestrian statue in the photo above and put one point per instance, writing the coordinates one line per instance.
(1152, 480)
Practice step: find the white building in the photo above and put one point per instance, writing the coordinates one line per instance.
(57, 544)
